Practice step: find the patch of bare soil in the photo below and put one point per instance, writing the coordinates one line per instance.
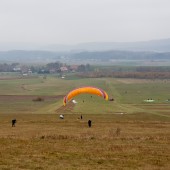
(27, 97)
(132, 81)
(13, 78)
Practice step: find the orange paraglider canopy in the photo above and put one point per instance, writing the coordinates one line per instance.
(87, 89)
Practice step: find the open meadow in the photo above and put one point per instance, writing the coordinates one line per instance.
(127, 133)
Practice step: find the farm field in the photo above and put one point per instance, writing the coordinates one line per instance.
(127, 133)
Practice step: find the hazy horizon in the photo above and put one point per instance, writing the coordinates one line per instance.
(81, 21)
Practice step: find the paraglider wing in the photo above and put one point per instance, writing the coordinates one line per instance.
(81, 90)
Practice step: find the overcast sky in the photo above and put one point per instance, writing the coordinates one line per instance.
(76, 21)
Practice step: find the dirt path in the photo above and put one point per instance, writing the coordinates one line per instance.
(27, 97)
(68, 108)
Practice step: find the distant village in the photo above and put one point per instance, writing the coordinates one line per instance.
(49, 68)
(88, 71)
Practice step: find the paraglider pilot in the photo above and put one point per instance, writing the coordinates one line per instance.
(13, 122)
(89, 123)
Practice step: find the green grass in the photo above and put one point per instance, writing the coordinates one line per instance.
(136, 93)
(129, 95)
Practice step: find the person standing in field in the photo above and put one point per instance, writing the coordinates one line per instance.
(14, 122)
(89, 123)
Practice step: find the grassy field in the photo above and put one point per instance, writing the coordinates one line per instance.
(127, 133)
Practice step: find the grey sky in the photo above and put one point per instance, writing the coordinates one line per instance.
(75, 21)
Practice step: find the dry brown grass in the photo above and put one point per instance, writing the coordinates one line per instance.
(113, 142)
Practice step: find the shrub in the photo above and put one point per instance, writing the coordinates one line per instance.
(38, 99)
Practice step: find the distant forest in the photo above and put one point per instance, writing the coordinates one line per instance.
(123, 55)
(136, 75)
